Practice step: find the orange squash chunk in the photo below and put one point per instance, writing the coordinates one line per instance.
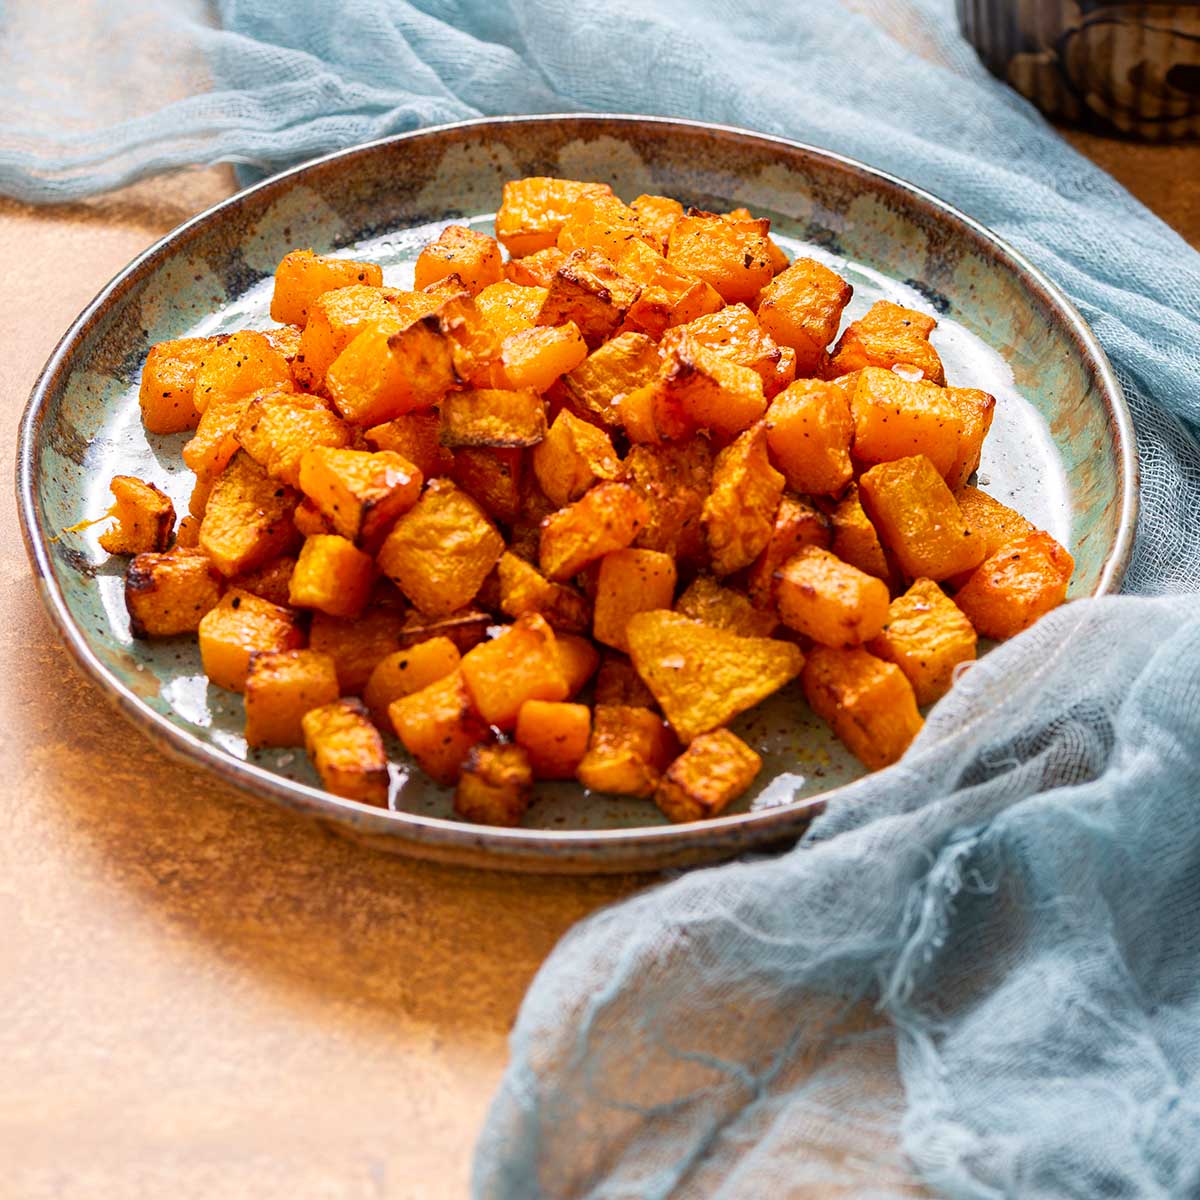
(829, 600)
(926, 636)
(605, 224)
(995, 523)
(573, 458)
(588, 290)
(869, 703)
(535, 358)
(554, 736)
(521, 664)
(406, 671)
(415, 436)
(168, 382)
(537, 269)
(495, 786)
(617, 682)
(438, 726)
(335, 319)
(703, 676)
(918, 519)
(668, 297)
(356, 644)
(887, 335)
(240, 625)
(607, 518)
(739, 514)
(797, 524)
(278, 428)
(167, 594)
(630, 581)
(359, 493)
(524, 589)
(332, 574)
(302, 276)
(1016, 585)
(854, 538)
(809, 430)
(272, 581)
(736, 333)
(510, 307)
(897, 418)
(144, 515)
(215, 441)
(534, 210)
(707, 601)
(733, 256)
(975, 410)
(248, 518)
(600, 383)
(658, 214)
(492, 476)
(802, 308)
(628, 751)
(238, 366)
(473, 257)
(347, 751)
(674, 481)
(281, 686)
(440, 552)
(702, 388)
(493, 417)
(711, 773)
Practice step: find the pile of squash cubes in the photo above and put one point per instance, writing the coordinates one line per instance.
(565, 513)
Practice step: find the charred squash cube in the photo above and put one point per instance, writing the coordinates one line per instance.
(332, 575)
(674, 481)
(588, 290)
(243, 624)
(439, 727)
(495, 787)
(735, 333)
(797, 524)
(739, 514)
(440, 552)
(1016, 585)
(167, 594)
(711, 773)
(829, 600)
(926, 636)
(521, 664)
(534, 210)
(537, 269)
(493, 417)
(809, 430)
(707, 601)
(573, 458)
(918, 519)
(168, 382)
(733, 256)
(669, 297)
(703, 389)
(524, 589)
(347, 751)
(144, 514)
(869, 703)
(554, 736)
(281, 687)
(361, 494)
(617, 682)
(278, 428)
(357, 644)
(492, 476)
(473, 257)
(624, 364)
(415, 436)
(406, 671)
(897, 418)
(629, 749)
(887, 335)
(630, 581)
(303, 276)
(272, 581)
(248, 518)
(607, 518)
(802, 308)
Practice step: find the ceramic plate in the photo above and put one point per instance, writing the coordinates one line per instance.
(1061, 449)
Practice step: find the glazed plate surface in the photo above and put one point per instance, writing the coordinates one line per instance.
(1061, 449)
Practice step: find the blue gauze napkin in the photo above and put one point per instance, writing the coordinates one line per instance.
(980, 974)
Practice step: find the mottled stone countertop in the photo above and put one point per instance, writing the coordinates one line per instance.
(201, 997)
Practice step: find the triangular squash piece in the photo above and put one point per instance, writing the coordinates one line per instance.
(703, 676)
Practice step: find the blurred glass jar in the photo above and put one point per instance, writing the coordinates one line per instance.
(1130, 68)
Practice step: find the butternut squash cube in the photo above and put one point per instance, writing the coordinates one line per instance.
(733, 256)
(829, 600)
(534, 210)
(711, 773)
(144, 514)
(1016, 585)
(707, 601)
(617, 682)
(926, 636)
(609, 373)
(918, 519)
(669, 297)
(207, 453)
(187, 535)
(703, 389)
(240, 625)
(604, 224)
(630, 581)
(473, 341)
(573, 458)
(588, 290)
(510, 307)
(333, 575)
(493, 417)
(657, 213)
(272, 581)
(975, 410)
(440, 552)
(238, 366)
(535, 358)
(491, 476)
(415, 436)
(302, 276)
(278, 428)
(802, 308)
(628, 751)
(281, 686)
(554, 736)
(739, 514)
(309, 519)
(524, 589)
(607, 518)
(854, 538)
(809, 430)
(335, 319)
(578, 659)
(521, 664)
(869, 703)
(286, 340)
(166, 594)
(465, 628)
(995, 523)
(439, 727)
(797, 524)
(406, 671)
(357, 644)
(537, 269)
(674, 481)
(897, 418)
(473, 257)
(736, 333)
(887, 335)
(347, 751)
(495, 786)
(702, 676)
(248, 517)
(168, 382)
(360, 493)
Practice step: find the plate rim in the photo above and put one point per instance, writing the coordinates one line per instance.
(620, 849)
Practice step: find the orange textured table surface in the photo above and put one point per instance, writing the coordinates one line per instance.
(202, 996)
